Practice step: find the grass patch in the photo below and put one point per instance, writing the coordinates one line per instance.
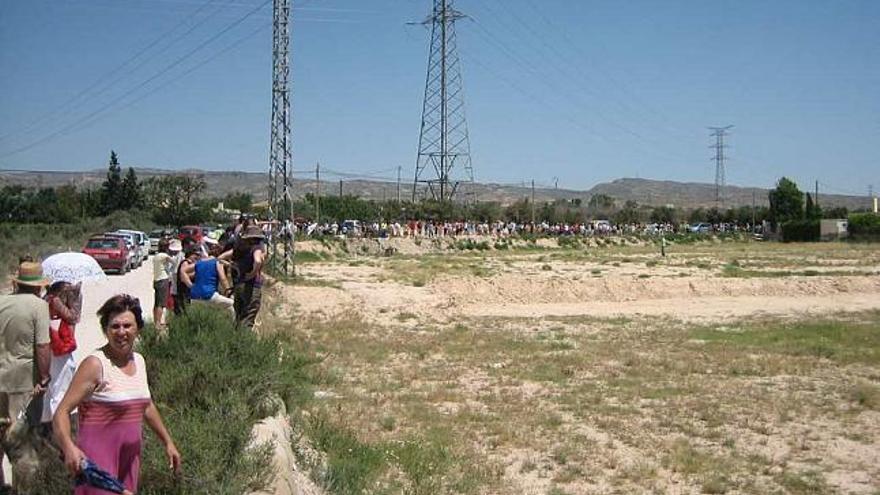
(803, 483)
(212, 383)
(840, 341)
(866, 395)
(310, 257)
(352, 466)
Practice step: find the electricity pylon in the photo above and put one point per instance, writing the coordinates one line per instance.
(444, 146)
(281, 228)
(719, 133)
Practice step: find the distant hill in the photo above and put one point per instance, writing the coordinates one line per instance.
(644, 191)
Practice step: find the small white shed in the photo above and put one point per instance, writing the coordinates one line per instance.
(833, 229)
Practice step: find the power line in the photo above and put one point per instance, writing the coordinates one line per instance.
(557, 89)
(155, 76)
(102, 81)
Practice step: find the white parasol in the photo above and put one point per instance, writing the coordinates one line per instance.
(72, 267)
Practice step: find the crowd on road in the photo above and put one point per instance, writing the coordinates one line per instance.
(90, 413)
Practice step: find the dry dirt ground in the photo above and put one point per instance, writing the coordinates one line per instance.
(724, 367)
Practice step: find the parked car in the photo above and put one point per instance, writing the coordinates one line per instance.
(351, 228)
(157, 235)
(134, 250)
(701, 228)
(141, 239)
(111, 253)
(193, 232)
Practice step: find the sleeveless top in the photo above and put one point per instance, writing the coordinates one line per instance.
(118, 398)
(205, 283)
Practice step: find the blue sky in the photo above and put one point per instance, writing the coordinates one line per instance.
(583, 91)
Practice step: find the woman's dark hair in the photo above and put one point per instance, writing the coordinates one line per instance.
(120, 304)
(57, 287)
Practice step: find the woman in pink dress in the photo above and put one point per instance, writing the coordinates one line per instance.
(110, 389)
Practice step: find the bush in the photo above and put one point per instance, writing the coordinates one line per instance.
(212, 382)
(568, 241)
(864, 226)
(800, 231)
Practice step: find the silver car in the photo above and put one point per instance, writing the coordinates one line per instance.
(141, 240)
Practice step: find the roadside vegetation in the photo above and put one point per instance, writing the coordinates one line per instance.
(212, 383)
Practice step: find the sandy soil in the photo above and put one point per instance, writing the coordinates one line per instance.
(568, 290)
(576, 371)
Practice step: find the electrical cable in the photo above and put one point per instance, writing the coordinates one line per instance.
(102, 82)
(163, 71)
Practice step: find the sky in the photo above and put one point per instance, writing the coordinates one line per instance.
(573, 92)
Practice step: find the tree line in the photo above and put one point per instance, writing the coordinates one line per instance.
(179, 199)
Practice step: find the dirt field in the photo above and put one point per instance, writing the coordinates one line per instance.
(724, 367)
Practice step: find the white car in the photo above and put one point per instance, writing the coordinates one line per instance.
(142, 239)
(139, 240)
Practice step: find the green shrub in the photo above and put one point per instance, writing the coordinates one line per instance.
(470, 245)
(864, 226)
(800, 231)
(211, 382)
(568, 241)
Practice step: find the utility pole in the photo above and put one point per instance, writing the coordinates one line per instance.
(398, 184)
(533, 203)
(753, 211)
(318, 192)
(280, 147)
(719, 133)
(340, 188)
(443, 138)
(816, 195)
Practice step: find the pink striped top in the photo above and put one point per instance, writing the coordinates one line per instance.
(119, 398)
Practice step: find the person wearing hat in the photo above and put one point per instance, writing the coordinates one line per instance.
(247, 255)
(25, 356)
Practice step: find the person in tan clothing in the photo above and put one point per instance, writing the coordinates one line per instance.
(24, 336)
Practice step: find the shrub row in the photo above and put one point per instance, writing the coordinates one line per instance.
(800, 231)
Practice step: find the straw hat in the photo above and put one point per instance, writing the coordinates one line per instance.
(30, 273)
(175, 245)
(253, 232)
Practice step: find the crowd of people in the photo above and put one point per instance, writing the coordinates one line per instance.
(90, 413)
(226, 272)
(43, 391)
(500, 229)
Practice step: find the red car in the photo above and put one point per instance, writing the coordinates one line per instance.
(193, 232)
(110, 252)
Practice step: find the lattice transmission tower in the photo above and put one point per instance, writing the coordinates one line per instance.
(444, 157)
(280, 241)
(720, 180)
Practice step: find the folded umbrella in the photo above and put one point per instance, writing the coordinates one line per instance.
(92, 475)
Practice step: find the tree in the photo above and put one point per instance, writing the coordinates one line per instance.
(786, 202)
(664, 214)
(601, 205)
(812, 211)
(173, 199)
(131, 190)
(112, 197)
(240, 201)
(629, 214)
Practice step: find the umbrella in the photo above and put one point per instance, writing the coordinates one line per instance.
(72, 267)
(90, 474)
